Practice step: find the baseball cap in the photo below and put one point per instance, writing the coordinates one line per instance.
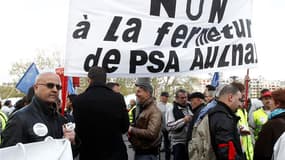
(265, 94)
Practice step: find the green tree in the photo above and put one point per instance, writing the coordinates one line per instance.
(83, 85)
(44, 59)
(127, 84)
(172, 83)
(18, 69)
(166, 83)
(7, 91)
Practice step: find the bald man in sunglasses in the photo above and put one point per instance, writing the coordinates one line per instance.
(40, 118)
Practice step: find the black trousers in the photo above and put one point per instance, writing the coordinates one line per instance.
(180, 152)
(166, 143)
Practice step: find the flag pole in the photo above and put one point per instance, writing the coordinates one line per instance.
(63, 93)
(63, 79)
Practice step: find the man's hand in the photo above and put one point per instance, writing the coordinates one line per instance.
(187, 118)
(244, 131)
(130, 128)
(69, 134)
(129, 132)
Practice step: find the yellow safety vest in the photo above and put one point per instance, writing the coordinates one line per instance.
(246, 140)
(131, 114)
(260, 117)
(3, 120)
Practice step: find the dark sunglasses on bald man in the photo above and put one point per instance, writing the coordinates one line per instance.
(51, 85)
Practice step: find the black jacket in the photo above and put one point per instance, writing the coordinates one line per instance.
(224, 132)
(33, 123)
(101, 118)
(268, 136)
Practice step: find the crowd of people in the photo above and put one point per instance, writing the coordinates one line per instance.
(237, 129)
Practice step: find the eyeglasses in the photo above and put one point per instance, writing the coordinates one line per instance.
(51, 85)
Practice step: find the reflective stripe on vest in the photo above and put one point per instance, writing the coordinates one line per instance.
(131, 114)
(246, 139)
(3, 119)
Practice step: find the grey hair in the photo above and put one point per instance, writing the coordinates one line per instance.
(227, 89)
(218, 90)
(180, 91)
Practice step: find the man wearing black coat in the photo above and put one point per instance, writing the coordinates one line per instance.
(101, 118)
(225, 137)
(39, 119)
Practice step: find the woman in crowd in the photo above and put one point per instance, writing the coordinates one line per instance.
(272, 129)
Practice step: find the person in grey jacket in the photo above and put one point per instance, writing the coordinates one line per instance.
(178, 118)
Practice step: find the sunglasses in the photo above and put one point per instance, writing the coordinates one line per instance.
(51, 85)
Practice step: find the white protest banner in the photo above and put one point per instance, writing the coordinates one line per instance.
(50, 149)
(146, 38)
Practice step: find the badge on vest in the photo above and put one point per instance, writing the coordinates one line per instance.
(263, 120)
(40, 129)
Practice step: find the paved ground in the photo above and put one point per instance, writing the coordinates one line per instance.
(131, 152)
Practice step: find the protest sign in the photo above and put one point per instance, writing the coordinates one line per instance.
(139, 38)
(50, 149)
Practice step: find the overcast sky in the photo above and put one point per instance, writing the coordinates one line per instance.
(28, 25)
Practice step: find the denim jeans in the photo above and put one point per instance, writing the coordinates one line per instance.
(146, 157)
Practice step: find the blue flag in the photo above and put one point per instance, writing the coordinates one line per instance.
(215, 80)
(70, 87)
(28, 79)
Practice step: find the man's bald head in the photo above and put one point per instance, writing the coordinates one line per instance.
(42, 77)
(47, 87)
